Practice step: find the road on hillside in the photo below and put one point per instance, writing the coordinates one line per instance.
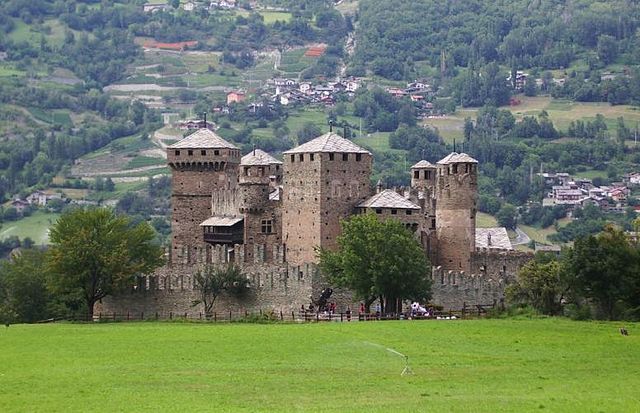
(521, 237)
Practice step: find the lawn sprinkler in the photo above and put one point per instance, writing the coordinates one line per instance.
(407, 369)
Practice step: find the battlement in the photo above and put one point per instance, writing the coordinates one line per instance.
(455, 289)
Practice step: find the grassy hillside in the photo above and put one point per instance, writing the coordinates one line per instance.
(35, 227)
(479, 366)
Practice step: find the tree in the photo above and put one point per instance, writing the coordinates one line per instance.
(378, 259)
(605, 269)
(539, 285)
(507, 216)
(214, 280)
(308, 131)
(23, 283)
(96, 253)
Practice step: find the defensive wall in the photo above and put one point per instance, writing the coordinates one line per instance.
(284, 287)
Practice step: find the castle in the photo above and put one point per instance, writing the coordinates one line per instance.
(269, 217)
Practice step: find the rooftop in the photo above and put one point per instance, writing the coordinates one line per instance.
(258, 157)
(455, 157)
(203, 138)
(493, 238)
(329, 142)
(388, 199)
(221, 221)
(423, 164)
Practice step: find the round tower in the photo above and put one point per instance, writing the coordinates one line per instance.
(456, 193)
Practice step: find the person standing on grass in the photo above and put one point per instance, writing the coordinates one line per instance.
(362, 308)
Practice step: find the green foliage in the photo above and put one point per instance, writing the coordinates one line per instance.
(213, 280)
(95, 253)
(378, 259)
(539, 285)
(605, 269)
(507, 216)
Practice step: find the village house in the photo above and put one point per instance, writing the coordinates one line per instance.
(154, 7)
(40, 198)
(193, 124)
(189, 6)
(20, 205)
(235, 97)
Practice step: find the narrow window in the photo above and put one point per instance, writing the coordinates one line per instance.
(345, 156)
(331, 157)
(378, 211)
(203, 152)
(358, 157)
(311, 157)
(409, 212)
(433, 223)
(301, 157)
(293, 158)
(394, 212)
(427, 174)
(261, 171)
(216, 152)
(177, 153)
(246, 171)
(455, 168)
(416, 174)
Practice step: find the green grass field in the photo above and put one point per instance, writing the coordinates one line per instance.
(35, 227)
(466, 366)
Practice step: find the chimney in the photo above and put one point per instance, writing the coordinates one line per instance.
(379, 186)
(488, 239)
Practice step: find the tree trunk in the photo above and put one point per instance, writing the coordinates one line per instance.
(91, 302)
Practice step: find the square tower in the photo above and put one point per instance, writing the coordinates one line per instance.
(324, 180)
(201, 164)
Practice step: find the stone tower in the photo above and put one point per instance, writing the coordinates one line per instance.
(456, 193)
(423, 183)
(260, 175)
(202, 164)
(324, 180)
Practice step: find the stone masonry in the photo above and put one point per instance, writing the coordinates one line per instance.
(270, 217)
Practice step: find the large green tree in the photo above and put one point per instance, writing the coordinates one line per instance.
(23, 289)
(605, 269)
(378, 259)
(540, 285)
(96, 253)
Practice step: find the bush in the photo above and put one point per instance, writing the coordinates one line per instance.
(577, 312)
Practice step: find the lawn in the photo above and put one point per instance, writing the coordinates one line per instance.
(474, 365)
(35, 227)
(484, 220)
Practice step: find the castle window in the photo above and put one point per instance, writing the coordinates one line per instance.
(345, 156)
(408, 212)
(190, 152)
(311, 157)
(266, 226)
(433, 223)
(261, 171)
(216, 152)
(246, 171)
(394, 212)
(358, 157)
(203, 152)
(331, 157)
(427, 174)
(177, 153)
(277, 167)
(416, 174)
(301, 157)
(466, 167)
(455, 168)
(293, 158)
(378, 211)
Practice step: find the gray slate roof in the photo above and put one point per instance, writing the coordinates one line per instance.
(388, 199)
(499, 238)
(203, 138)
(423, 164)
(455, 157)
(258, 157)
(329, 142)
